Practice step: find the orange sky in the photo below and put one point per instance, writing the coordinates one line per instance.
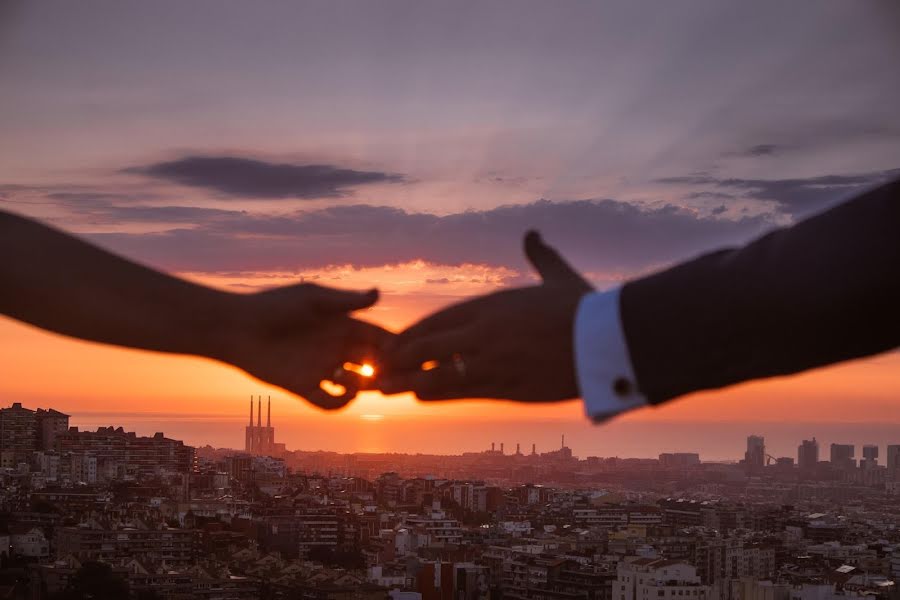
(42, 369)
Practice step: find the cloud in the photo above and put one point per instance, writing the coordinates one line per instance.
(250, 178)
(797, 197)
(99, 207)
(762, 150)
(602, 235)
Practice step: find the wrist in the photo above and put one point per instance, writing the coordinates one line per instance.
(212, 323)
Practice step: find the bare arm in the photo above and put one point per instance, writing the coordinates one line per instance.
(58, 282)
(293, 336)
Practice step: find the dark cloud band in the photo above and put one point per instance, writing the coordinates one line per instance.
(797, 197)
(595, 234)
(249, 178)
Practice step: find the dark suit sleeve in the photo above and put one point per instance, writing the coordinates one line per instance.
(824, 290)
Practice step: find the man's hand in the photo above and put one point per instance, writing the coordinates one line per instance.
(514, 344)
(297, 336)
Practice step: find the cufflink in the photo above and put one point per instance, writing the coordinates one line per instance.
(622, 387)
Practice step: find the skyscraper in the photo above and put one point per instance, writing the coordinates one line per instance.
(893, 459)
(755, 456)
(808, 455)
(870, 457)
(842, 456)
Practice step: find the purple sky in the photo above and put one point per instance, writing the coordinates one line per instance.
(175, 128)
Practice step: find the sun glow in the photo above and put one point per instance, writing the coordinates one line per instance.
(363, 370)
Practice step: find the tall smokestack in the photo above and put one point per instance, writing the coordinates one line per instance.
(269, 416)
(259, 412)
(534, 449)
(564, 440)
(493, 446)
(518, 448)
(251, 410)
(501, 447)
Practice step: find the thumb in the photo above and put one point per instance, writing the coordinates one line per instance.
(329, 300)
(548, 263)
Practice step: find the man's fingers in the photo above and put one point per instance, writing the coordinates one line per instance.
(410, 352)
(326, 401)
(449, 380)
(330, 301)
(352, 379)
(363, 337)
(452, 317)
(548, 263)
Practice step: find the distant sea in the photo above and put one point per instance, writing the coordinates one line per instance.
(721, 441)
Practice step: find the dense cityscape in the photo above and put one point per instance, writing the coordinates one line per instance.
(108, 513)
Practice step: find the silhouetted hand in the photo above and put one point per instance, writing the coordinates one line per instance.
(293, 337)
(296, 336)
(513, 344)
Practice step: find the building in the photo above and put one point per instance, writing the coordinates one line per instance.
(83, 468)
(654, 579)
(437, 525)
(842, 456)
(174, 547)
(24, 431)
(755, 456)
(50, 423)
(18, 435)
(808, 455)
(120, 454)
(870, 457)
(893, 461)
(679, 459)
(28, 541)
(259, 439)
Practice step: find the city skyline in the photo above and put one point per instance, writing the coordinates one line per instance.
(24, 431)
(264, 441)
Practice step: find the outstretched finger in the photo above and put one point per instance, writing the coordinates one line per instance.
(552, 267)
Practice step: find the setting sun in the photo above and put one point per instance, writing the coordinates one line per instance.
(363, 370)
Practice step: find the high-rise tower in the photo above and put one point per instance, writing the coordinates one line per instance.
(808, 455)
(755, 456)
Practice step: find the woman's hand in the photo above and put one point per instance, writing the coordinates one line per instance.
(297, 336)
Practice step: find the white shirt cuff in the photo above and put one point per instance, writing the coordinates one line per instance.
(605, 376)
